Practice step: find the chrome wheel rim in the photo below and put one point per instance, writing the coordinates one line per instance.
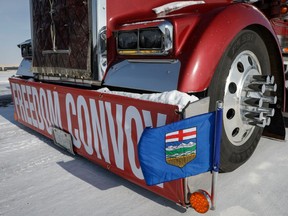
(236, 127)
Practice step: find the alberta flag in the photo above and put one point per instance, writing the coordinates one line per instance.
(181, 149)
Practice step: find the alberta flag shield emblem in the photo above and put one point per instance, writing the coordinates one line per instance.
(181, 146)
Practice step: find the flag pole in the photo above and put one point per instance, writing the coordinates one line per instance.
(216, 152)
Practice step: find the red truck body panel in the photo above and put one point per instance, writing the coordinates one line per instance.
(213, 36)
(202, 34)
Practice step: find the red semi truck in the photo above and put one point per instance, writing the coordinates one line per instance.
(97, 72)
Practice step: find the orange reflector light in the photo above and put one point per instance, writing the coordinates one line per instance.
(284, 9)
(200, 201)
(285, 50)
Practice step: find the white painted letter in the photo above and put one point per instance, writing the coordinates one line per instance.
(44, 110)
(31, 106)
(20, 102)
(70, 102)
(38, 108)
(54, 111)
(131, 115)
(81, 104)
(117, 145)
(99, 130)
(26, 107)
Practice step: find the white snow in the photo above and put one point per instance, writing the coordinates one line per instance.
(38, 178)
(4, 82)
(174, 97)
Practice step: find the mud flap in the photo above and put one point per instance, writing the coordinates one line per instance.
(276, 129)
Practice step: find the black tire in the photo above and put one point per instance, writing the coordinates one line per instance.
(247, 42)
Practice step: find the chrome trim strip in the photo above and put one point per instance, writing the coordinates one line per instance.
(143, 23)
(167, 29)
(283, 41)
(144, 75)
(68, 80)
(152, 60)
(174, 6)
(93, 18)
(99, 26)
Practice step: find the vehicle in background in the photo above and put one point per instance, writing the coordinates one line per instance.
(24, 69)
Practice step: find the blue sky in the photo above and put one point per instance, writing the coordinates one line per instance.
(14, 29)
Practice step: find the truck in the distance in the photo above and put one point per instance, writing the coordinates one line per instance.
(101, 71)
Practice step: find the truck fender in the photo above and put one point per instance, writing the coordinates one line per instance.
(214, 33)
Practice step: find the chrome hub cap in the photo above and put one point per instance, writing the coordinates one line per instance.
(246, 98)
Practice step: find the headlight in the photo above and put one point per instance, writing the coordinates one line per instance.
(150, 38)
(157, 40)
(127, 40)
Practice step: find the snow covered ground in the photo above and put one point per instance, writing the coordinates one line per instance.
(4, 83)
(38, 178)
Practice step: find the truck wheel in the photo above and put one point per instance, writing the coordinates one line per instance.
(237, 82)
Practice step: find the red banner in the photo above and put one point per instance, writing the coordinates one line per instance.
(105, 128)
